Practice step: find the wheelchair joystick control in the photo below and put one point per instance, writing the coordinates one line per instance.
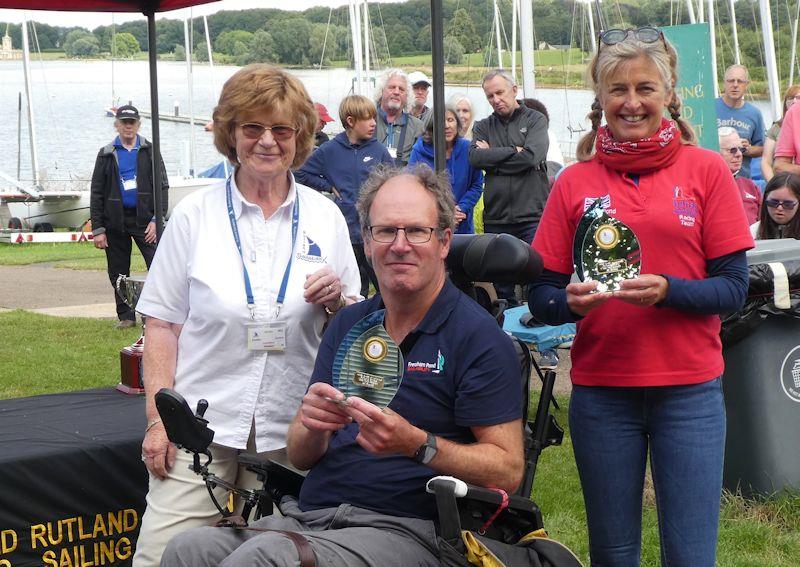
(202, 406)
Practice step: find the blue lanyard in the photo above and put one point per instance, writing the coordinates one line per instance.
(251, 304)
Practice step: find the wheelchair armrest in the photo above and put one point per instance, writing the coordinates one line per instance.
(275, 469)
(464, 506)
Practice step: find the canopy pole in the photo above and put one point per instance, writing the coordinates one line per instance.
(437, 54)
(153, 57)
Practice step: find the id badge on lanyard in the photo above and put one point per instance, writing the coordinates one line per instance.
(263, 335)
(129, 184)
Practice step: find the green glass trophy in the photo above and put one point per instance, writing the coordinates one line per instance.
(368, 363)
(605, 250)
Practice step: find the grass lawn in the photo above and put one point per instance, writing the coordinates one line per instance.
(72, 255)
(40, 354)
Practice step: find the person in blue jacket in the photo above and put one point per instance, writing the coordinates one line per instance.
(341, 166)
(466, 181)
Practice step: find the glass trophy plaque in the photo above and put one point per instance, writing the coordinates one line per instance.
(368, 363)
(605, 250)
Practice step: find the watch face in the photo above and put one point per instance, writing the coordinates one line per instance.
(428, 454)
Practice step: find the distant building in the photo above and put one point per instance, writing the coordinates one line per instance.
(7, 51)
(544, 46)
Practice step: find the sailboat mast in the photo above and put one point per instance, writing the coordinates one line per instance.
(690, 7)
(356, 37)
(26, 66)
(189, 82)
(794, 43)
(769, 52)
(514, 20)
(713, 37)
(592, 31)
(526, 44)
(736, 53)
(497, 36)
(366, 41)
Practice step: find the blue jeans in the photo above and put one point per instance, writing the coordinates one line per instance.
(683, 429)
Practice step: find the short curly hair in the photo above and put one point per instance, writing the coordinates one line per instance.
(437, 184)
(264, 88)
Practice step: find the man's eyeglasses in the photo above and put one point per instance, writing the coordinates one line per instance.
(414, 234)
(775, 203)
(736, 150)
(645, 35)
(254, 130)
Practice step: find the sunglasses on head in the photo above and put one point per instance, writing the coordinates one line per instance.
(775, 203)
(645, 35)
(254, 130)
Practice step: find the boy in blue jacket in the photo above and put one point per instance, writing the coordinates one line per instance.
(341, 166)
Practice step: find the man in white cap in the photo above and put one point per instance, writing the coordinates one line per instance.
(420, 83)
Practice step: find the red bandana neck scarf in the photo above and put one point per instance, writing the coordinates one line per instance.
(641, 156)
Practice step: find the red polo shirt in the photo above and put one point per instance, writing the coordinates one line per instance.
(684, 214)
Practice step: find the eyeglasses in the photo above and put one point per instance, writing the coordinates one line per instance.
(645, 35)
(775, 203)
(254, 130)
(734, 151)
(414, 234)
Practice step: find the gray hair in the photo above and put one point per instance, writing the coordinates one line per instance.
(458, 97)
(438, 184)
(499, 73)
(383, 80)
(725, 131)
(738, 66)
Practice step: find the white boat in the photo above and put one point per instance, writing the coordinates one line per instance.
(70, 209)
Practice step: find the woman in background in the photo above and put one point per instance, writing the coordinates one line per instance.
(778, 217)
(465, 180)
(768, 156)
(463, 107)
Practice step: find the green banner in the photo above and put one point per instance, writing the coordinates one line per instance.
(696, 80)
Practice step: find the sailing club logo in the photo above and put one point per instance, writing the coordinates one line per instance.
(310, 251)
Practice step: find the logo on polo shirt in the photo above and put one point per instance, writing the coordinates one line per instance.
(683, 207)
(311, 251)
(605, 202)
(428, 367)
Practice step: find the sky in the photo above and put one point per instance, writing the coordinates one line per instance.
(91, 20)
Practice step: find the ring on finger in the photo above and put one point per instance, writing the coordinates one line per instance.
(330, 289)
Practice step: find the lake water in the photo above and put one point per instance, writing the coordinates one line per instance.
(70, 99)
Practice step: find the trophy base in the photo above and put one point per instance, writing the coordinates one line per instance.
(130, 359)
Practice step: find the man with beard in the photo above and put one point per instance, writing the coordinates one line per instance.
(396, 128)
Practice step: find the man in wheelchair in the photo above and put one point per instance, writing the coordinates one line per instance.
(458, 411)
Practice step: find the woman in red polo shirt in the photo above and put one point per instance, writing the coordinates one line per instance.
(647, 359)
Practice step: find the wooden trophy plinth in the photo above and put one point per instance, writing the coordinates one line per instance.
(130, 361)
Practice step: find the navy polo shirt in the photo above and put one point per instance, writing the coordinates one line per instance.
(461, 371)
(126, 159)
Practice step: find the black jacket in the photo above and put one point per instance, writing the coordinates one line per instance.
(515, 186)
(106, 200)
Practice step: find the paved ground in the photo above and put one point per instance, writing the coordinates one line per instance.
(41, 288)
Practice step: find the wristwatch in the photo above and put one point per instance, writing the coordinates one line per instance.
(427, 451)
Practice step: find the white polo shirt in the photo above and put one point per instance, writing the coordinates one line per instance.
(196, 280)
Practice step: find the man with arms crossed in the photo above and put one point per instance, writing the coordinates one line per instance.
(457, 411)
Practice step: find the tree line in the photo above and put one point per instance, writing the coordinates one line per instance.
(320, 36)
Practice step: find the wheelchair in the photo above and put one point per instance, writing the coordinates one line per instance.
(489, 513)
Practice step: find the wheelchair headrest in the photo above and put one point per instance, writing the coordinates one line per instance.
(498, 258)
(185, 429)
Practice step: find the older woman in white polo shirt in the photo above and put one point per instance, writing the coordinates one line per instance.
(245, 276)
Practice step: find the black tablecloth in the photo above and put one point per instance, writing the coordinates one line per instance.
(72, 483)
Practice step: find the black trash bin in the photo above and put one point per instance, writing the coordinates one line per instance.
(761, 346)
